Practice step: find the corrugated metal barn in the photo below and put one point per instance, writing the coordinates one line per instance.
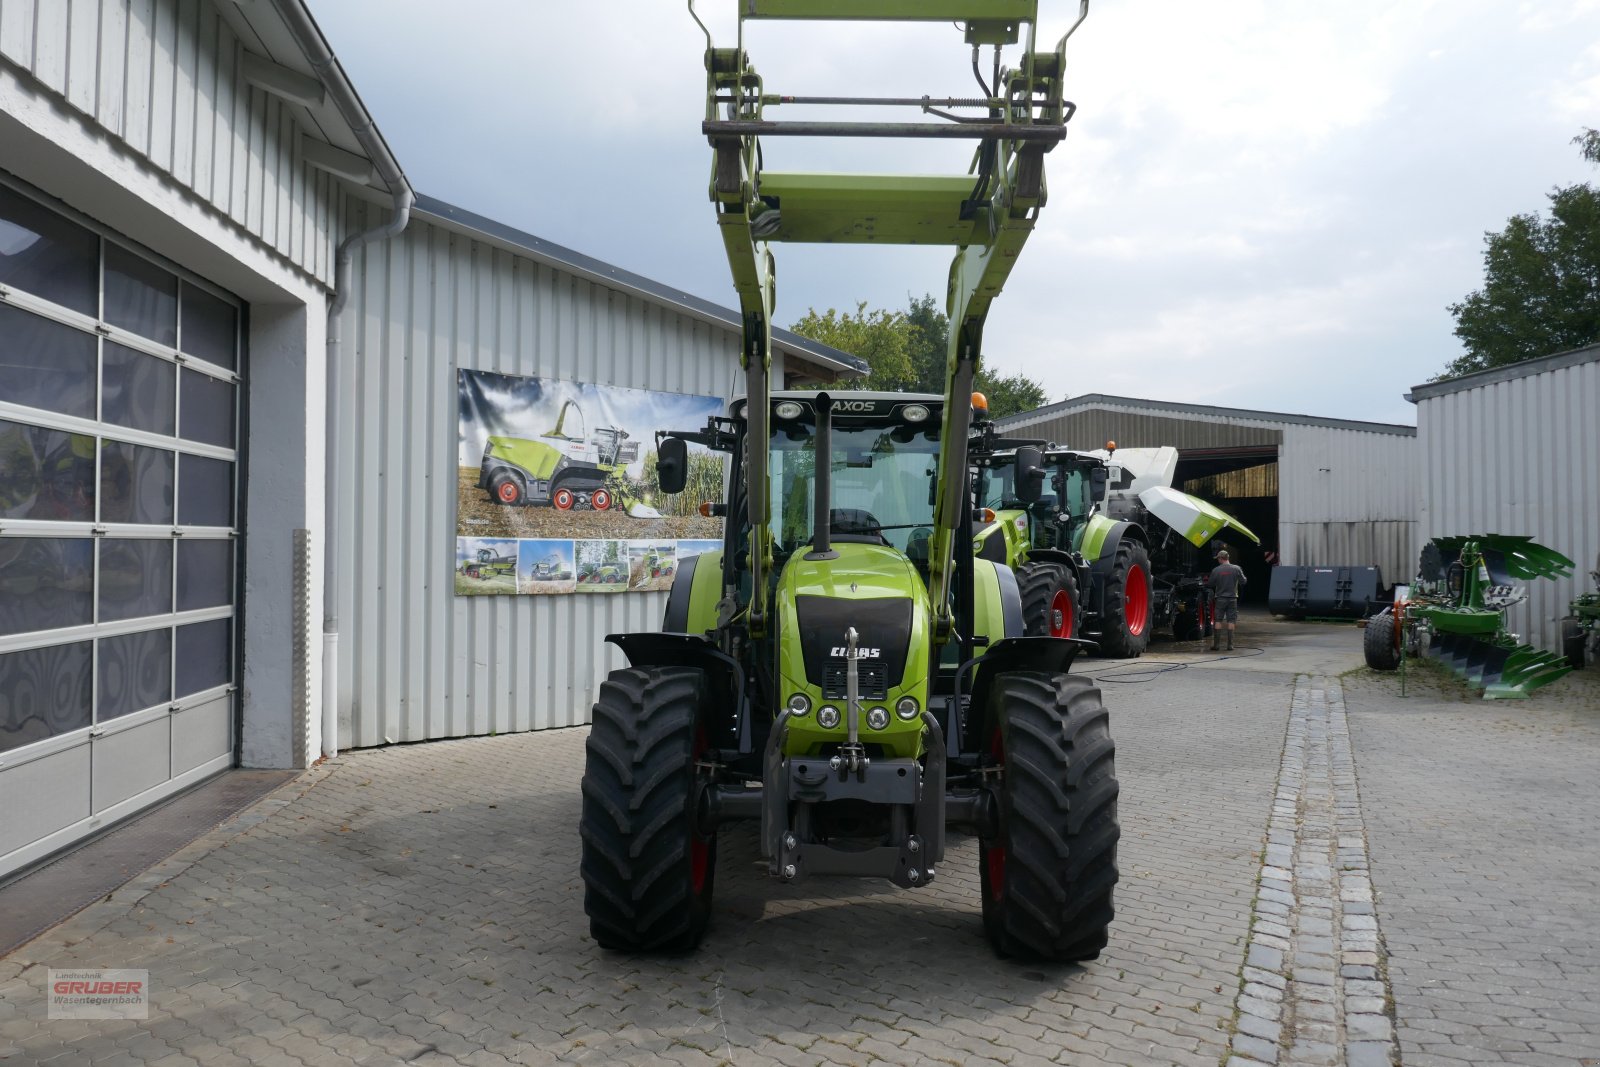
(1317, 491)
(1516, 450)
(198, 218)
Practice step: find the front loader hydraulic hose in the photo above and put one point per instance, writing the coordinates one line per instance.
(822, 482)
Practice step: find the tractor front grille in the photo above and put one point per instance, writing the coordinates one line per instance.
(872, 679)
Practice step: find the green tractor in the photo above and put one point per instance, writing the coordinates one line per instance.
(844, 672)
(1109, 552)
(1580, 631)
(576, 471)
(1455, 612)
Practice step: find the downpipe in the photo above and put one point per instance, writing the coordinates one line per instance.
(343, 96)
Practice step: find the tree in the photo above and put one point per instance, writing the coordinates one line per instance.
(882, 338)
(916, 361)
(1541, 291)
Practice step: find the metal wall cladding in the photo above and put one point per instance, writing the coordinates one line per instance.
(1520, 457)
(1348, 497)
(416, 661)
(163, 78)
(1129, 428)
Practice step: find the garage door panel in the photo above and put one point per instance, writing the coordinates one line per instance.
(202, 733)
(119, 400)
(130, 761)
(42, 796)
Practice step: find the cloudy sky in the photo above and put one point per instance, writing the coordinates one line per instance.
(1261, 203)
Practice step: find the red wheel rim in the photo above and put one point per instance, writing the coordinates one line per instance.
(1137, 601)
(508, 492)
(601, 500)
(1061, 614)
(563, 500)
(699, 847)
(994, 855)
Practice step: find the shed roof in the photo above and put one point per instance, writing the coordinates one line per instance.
(1203, 411)
(1527, 368)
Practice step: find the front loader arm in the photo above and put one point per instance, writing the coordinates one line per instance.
(986, 215)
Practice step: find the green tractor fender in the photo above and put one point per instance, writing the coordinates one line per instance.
(696, 589)
(1100, 540)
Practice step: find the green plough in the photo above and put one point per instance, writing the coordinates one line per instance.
(1456, 611)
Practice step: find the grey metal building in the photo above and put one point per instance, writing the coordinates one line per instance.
(1516, 450)
(198, 217)
(1316, 490)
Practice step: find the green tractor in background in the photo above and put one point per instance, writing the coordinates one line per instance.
(1109, 552)
(844, 672)
(1455, 612)
(576, 471)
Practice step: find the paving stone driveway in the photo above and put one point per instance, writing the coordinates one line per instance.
(1484, 824)
(421, 903)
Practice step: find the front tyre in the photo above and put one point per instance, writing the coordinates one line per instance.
(647, 872)
(506, 488)
(1126, 619)
(1048, 875)
(1049, 593)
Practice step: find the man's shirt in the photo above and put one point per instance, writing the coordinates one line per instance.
(1226, 579)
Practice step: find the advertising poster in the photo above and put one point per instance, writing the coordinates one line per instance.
(556, 487)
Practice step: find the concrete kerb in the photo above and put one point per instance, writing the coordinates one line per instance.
(119, 901)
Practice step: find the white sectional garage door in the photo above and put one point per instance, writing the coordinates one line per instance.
(120, 380)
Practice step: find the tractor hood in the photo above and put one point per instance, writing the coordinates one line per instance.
(1190, 516)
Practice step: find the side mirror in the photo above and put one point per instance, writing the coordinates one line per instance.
(1029, 480)
(1097, 484)
(672, 464)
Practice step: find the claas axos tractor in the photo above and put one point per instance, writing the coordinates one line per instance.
(844, 672)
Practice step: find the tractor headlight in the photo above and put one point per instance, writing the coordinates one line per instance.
(827, 716)
(799, 704)
(878, 718)
(914, 413)
(906, 708)
(788, 410)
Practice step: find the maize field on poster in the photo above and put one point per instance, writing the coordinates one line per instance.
(556, 487)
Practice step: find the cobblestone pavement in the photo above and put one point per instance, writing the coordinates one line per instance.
(1483, 822)
(1314, 989)
(421, 903)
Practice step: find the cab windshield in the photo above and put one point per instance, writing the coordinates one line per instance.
(883, 484)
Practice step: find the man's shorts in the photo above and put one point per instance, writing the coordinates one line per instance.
(1227, 609)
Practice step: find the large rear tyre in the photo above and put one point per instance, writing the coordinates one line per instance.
(1126, 618)
(1050, 605)
(1048, 875)
(1378, 644)
(647, 872)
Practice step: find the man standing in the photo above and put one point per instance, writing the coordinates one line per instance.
(1226, 579)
